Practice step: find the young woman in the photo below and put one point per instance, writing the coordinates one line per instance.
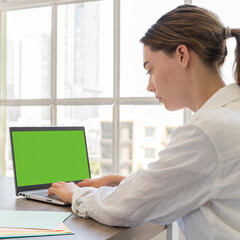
(197, 177)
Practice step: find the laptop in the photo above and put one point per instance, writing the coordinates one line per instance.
(44, 155)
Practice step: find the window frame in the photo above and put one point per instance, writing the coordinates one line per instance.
(115, 101)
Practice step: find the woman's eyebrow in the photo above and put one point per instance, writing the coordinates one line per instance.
(145, 63)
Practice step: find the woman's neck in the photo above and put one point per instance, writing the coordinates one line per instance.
(205, 83)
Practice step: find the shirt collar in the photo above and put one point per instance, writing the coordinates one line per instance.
(222, 97)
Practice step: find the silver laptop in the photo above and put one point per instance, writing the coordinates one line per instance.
(44, 155)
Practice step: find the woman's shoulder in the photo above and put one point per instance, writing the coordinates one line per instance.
(221, 126)
(221, 117)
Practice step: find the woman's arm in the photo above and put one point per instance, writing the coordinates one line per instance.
(180, 182)
(109, 180)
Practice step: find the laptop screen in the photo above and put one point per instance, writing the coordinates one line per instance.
(43, 155)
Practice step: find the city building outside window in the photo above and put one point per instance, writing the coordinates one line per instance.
(149, 131)
(150, 153)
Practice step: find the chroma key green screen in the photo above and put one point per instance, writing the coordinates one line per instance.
(43, 157)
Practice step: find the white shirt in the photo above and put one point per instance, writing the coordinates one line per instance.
(196, 179)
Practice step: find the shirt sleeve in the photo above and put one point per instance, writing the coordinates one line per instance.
(178, 183)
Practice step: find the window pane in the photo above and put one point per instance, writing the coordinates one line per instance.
(150, 152)
(97, 121)
(149, 131)
(133, 76)
(85, 50)
(28, 54)
(146, 131)
(19, 116)
(228, 13)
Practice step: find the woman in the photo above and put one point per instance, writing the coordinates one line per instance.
(196, 179)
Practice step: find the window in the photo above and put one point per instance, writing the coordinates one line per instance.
(141, 118)
(107, 152)
(149, 131)
(53, 57)
(60, 66)
(126, 146)
(126, 133)
(28, 54)
(133, 76)
(65, 63)
(150, 153)
(85, 50)
(169, 131)
(106, 130)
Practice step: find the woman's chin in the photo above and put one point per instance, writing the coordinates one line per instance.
(172, 108)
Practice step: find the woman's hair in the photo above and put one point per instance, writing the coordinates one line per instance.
(198, 29)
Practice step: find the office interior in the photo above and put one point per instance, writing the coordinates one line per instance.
(80, 63)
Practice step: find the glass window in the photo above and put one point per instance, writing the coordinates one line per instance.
(28, 54)
(85, 50)
(149, 131)
(132, 150)
(107, 152)
(19, 116)
(169, 131)
(134, 24)
(97, 121)
(84, 65)
(126, 131)
(150, 153)
(126, 146)
(106, 130)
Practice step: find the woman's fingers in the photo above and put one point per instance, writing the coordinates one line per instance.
(85, 183)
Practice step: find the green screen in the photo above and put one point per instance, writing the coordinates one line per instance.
(43, 157)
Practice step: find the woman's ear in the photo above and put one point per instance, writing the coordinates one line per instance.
(183, 56)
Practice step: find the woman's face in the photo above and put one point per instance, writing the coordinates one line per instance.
(166, 78)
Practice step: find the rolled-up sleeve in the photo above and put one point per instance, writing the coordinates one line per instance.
(179, 182)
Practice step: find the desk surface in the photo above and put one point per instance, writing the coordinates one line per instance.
(83, 228)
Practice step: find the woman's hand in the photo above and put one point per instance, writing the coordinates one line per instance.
(63, 190)
(109, 180)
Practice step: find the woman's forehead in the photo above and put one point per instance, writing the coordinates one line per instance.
(149, 55)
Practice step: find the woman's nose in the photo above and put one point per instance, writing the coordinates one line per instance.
(150, 86)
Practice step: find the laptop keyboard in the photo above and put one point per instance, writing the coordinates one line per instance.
(43, 193)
